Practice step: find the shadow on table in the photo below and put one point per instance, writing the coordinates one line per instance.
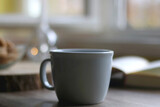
(57, 104)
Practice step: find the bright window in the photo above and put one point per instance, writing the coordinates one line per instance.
(62, 14)
(66, 7)
(33, 7)
(143, 14)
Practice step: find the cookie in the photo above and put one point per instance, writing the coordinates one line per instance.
(8, 51)
(3, 48)
(11, 48)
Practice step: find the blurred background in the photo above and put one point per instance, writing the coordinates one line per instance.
(129, 27)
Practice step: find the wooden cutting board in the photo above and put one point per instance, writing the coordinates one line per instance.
(22, 76)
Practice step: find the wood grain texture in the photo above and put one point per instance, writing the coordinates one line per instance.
(115, 98)
(21, 77)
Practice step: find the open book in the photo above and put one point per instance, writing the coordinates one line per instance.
(135, 71)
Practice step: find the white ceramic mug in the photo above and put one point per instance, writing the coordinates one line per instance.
(80, 76)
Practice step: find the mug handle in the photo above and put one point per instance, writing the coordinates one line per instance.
(43, 76)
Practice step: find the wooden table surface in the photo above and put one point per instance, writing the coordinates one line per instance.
(115, 98)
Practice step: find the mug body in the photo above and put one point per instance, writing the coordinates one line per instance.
(81, 76)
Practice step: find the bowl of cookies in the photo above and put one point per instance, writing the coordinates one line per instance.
(10, 53)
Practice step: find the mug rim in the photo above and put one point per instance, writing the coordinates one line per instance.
(82, 51)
